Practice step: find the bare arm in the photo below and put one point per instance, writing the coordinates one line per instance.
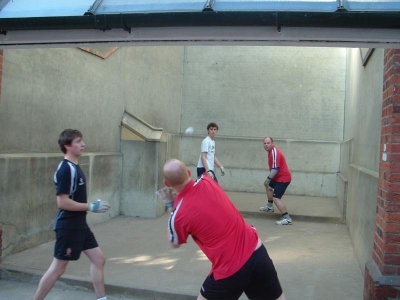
(64, 202)
(216, 161)
(205, 164)
(204, 160)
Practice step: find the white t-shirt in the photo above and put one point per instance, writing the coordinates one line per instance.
(207, 145)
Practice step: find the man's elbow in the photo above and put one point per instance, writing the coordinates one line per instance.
(60, 205)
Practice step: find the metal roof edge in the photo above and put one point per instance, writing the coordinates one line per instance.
(126, 21)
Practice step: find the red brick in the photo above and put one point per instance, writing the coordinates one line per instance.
(392, 177)
(394, 148)
(390, 186)
(390, 270)
(390, 227)
(390, 206)
(385, 96)
(383, 193)
(395, 99)
(393, 197)
(396, 58)
(378, 251)
(379, 292)
(385, 120)
(390, 128)
(395, 79)
(387, 166)
(391, 259)
(395, 70)
(380, 212)
(390, 238)
(386, 76)
(392, 217)
(392, 292)
(382, 248)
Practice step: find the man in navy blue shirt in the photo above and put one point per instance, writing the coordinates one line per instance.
(73, 235)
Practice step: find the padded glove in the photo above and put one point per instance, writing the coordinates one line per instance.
(99, 206)
(167, 194)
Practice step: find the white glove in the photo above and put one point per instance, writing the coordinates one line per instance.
(167, 194)
(267, 181)
(99, 206)
(222, 171)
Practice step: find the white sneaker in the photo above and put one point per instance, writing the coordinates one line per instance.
(284, 221)
(267, 209)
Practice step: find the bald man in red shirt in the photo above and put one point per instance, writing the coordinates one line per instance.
(277, 181)
(240, 262)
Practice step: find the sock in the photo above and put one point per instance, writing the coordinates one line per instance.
(270, 203)
(102, 298)
(285, 214)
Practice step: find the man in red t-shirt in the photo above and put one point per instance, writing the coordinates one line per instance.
(277, 181)
(240, 262)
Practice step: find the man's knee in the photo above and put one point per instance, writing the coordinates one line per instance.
(99, 260)
(58, 267)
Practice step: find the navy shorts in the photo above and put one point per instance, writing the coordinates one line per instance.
(71, 242)
(257, 279)
(200, 172)
(279, 188)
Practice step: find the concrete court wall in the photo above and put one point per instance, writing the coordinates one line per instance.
(295, 95)
(242, 88)
(141, 162)
(27, 194)
(359, 164)
(45, 91)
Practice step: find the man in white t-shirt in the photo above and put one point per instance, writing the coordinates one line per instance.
(207, 157)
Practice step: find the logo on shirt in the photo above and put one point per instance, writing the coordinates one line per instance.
(68, 252)
(81, 181)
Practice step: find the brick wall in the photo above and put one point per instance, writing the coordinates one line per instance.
(382, 273)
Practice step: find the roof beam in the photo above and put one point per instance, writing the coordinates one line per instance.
(249, 36)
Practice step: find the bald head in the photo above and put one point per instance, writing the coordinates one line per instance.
(268, 143)
(176, 173)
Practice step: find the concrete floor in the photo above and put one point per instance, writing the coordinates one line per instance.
(314, 258)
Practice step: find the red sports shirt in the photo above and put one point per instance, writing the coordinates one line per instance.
(276, 159)
(204, 211)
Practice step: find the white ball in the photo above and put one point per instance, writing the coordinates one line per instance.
(189, 131)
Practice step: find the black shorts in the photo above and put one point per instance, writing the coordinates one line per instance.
(279, 188)
(257, 279)
(71, 242)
